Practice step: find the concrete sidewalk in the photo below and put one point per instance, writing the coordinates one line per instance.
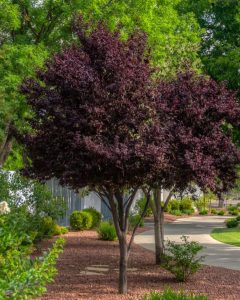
(198, 229)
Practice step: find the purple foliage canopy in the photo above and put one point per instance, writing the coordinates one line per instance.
(199, 113)
(94, 112)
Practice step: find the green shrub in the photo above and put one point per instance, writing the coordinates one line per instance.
(182, 259)
(173, 205)
(43, 226)
(33, 195)
(231, 207)
(96, 216)
(188, 211)
(203, 202)
(221, 213)
(64, 230)
(231, 223)
(186, 204)
(203, 212)
(233, 212)
(48, 226)
(107, 232)
(23, 278)
(133, 221)
(140, 205)
(238, 218)
(81, 220)
(57, 230)
(176, 212)
(214, 211)
(87, 219)
(169, 294)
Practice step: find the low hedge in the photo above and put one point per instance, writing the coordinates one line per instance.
(96, 216)
(81, 220)
(231, 223)
(107, 232)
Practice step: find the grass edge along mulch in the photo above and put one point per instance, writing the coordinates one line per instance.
(229, 236)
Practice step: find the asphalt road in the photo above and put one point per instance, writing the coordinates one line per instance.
(198, 229)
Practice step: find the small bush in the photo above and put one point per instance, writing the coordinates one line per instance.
(140, 205)
(214, 211)
(186, 204)
(203, 212)
(238, 218)
(45, 227)
(24, 278)
(176, 212)
(188, 211)
(173, 205)
(64, 230)
(169, 294)
(231, 207)
(81, 220)
(231, 223)
(59, 230)
(96, 216)
(221, 213)
(107, 232)
(133, 220)
(182, 260)
(233, 212)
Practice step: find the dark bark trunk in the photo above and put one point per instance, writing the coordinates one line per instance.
(120, 213)
(123, 265)
(159, 247)
(220, 201)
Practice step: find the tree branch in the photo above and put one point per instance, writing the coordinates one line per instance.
(168, 198)
(115, 214)
(103, 199)
(129, 204)
(140, 219)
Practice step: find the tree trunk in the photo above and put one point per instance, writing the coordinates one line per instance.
(158, 227)
(120, 212)
(159, 244)
(220, 201)
(123, 265)
(158, 213)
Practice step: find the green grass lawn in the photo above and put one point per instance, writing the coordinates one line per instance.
(227, 235)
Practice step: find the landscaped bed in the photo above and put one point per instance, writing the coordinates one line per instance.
(227, 235)
(88, 269)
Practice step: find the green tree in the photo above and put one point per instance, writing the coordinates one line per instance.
(220, 46)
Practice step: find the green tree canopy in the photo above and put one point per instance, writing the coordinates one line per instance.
(220, 50)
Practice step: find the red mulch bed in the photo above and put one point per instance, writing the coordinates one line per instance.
(83, 249)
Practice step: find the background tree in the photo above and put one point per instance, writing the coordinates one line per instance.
(31, 30)
(93, 123)
(220, 46)
(199, 115)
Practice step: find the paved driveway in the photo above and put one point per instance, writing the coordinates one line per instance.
(198, 229)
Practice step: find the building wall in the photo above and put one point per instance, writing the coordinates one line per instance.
(76, 202)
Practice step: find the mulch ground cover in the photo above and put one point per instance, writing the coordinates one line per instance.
(84, 250)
